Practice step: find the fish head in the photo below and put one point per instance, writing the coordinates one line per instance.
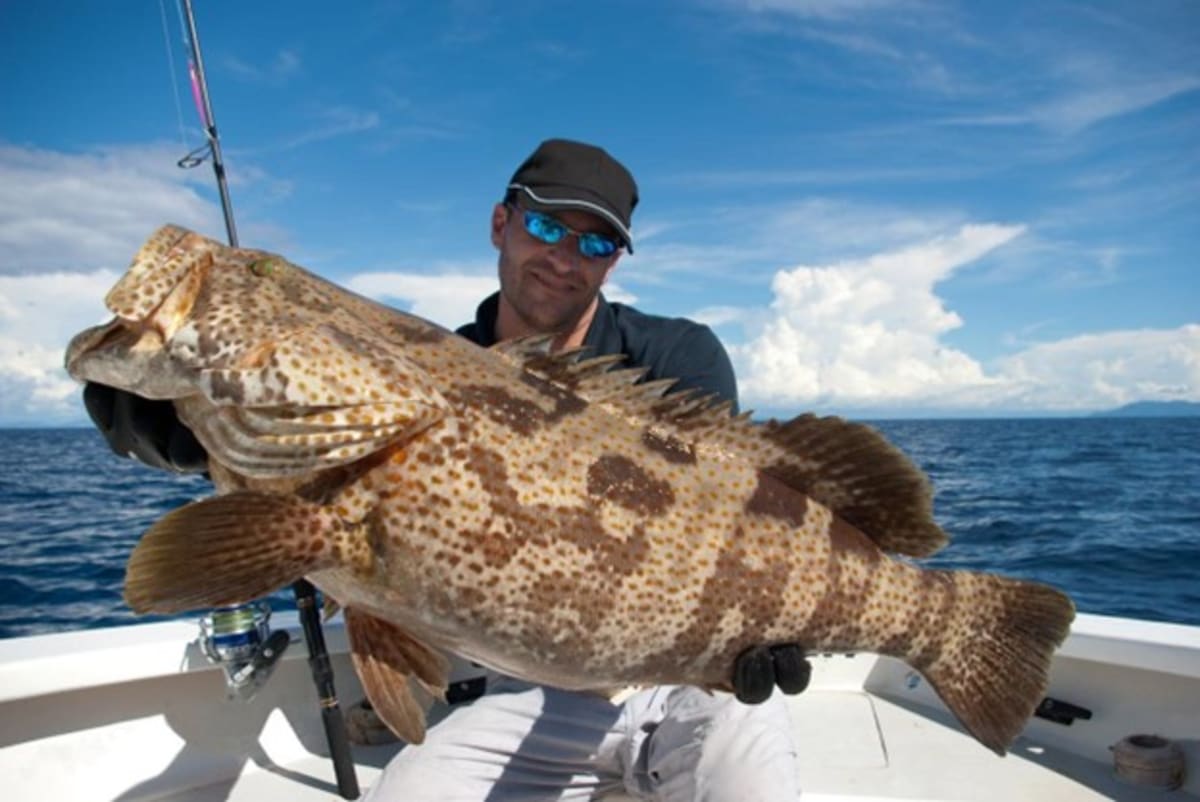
(275, 370)
(151, 303)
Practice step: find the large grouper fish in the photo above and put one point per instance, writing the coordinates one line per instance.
(543, 514)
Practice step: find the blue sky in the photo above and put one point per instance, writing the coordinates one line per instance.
(883, 207)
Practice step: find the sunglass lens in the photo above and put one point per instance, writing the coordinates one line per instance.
(544, 227)
(596, 246)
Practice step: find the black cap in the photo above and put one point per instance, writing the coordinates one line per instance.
(562, 174)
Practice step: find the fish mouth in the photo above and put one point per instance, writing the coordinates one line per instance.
(127, 356)
(84, 343)
(152, 302)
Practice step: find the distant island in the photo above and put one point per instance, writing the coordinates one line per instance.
(1154, 409)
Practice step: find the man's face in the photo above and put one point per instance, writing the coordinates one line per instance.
(549, 287)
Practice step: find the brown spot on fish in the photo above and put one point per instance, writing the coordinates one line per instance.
(227, 388)
(553, 521)
(734, 583)
(840, 611)
(846, 539)
(416, 334)
(671, 448)
(771, 497)
(502, 407)
(620, 557)
(541, 525)
(565, 401)
(622, 481)
(939, 596)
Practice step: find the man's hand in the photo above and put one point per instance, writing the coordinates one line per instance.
(759, 669)
(148, 431)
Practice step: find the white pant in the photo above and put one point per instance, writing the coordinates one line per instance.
(528, 742)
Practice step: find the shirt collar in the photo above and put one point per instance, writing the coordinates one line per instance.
(489, 309)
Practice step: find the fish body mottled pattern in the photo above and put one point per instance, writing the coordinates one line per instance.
(542, 514)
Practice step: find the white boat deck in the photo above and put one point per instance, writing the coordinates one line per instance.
(136, 713)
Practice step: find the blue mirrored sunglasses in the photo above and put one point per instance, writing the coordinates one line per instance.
(545, 228)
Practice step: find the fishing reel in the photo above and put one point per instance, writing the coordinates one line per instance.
(239, 639)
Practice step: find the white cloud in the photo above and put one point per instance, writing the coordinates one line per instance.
(720, 315)
(1096, 371)
(38, 316)
(865, 332)
(83, 211)
(1079, 110)
(276, 72)
(615, 292)
(69, 223)
(829, 9)
(333, 122)
(867, 335)
(448, 300)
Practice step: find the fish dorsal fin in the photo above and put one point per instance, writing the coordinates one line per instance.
(386, 659)
(592, 378)
(852, 469)
(519, 349)
(848, 467)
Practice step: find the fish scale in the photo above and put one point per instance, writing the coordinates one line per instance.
(543, 514)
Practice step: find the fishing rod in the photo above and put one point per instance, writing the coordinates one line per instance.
(305, 593)
(204, 107)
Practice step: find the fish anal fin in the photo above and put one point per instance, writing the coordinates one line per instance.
(386, 659)
(233, 548)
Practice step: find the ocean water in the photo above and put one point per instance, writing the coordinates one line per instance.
(1107, 509)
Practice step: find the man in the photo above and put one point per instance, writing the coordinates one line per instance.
(559, 230)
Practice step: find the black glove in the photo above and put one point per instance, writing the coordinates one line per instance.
(146, 430)
(759, 669)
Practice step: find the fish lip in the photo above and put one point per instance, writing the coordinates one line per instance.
(86, 342)
(103, 354)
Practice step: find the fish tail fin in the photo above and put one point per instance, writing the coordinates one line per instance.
(992, 667)
(231, 549)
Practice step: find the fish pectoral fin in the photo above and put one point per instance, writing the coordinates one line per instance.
(233, 548)
(271, 442)
(319, 399)
(386, 658)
